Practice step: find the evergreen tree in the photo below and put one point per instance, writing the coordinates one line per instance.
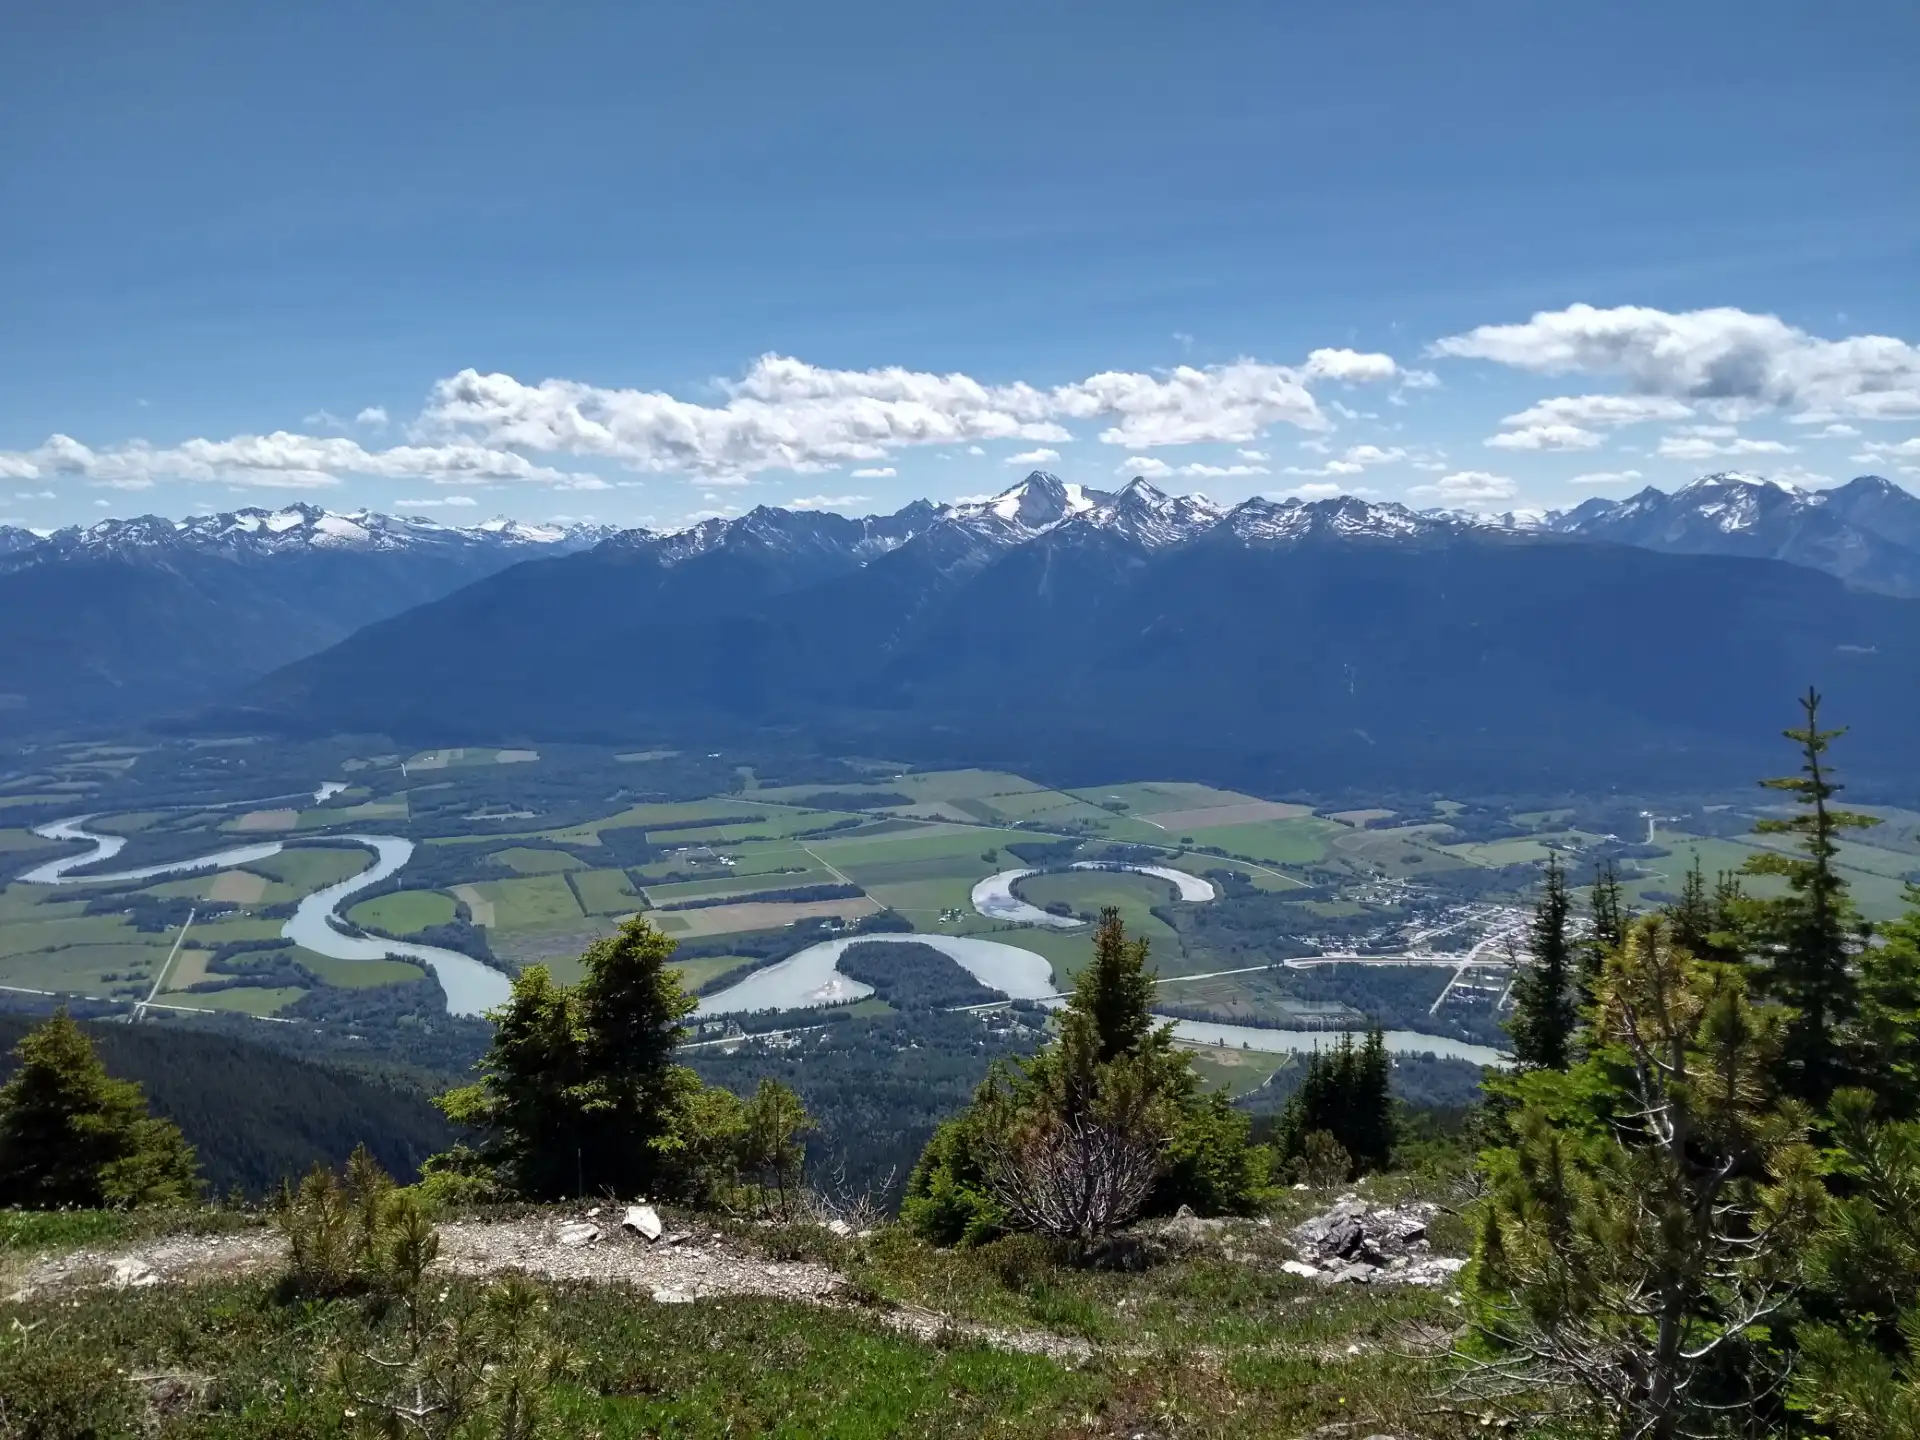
(1105, 1121)
(1647, 1219)
(1809, 938)
(1886, 1035)
(1705, 922)
(1347, 1093)
(579, 1092)
(1116, 990)
(1608, 931)
(71, 1135)
(1545, 1001)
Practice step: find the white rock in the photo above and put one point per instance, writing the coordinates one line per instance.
(1300, 1268)
(672, 1297)
(840, 1228)
(133, 1274)
(578, 1233)
(643, 1220)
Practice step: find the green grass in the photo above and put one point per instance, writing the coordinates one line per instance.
(1158, 797)
(308, 868)
(21, 840)
(1200, 1347)
(373, 812)
(43, 1232)
(404, 912)
(538, 902)
(1277, 842)
(358, 974)
(935, 785)
(605, 892)
(697, 971)
(244, 999)
(526, 861)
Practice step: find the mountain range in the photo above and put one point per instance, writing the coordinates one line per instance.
(129, 618)
(1866, 532)
(1270, 645)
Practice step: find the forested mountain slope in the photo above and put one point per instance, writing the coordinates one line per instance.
(252, 1114)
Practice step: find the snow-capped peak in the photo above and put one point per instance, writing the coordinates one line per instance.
(1037, 503)
(1149, 515)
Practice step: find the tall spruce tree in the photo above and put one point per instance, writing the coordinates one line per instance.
(1703, 920)
(1347, 1092)
(1546, 1000)
(1116, 989)
(1809, 938)
(579, 1092)
(71, 1135)
(1607, 930)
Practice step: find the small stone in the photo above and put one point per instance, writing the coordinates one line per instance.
(643, 1220)
(840, 1227)
(672, 1296)
(133, 1275)
(578, 1233)
(1300, 1268)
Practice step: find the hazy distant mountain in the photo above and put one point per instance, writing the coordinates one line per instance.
(1866, 532)
(129, 618)
(1273, 644)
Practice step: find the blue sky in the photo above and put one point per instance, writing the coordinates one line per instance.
(478, 259)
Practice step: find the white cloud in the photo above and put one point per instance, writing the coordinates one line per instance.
(1419, 380)
(1555, 436)
(1721, 354)
(277, 461)
(1350, 366)
(1599, 411)
(1706, 447)
(1606, 477)
(876, 472)
(36, 495)
(1155, 469)
(975, 450)
(787, 414)
(1253, 454)
(458, 501)
(825, 502)
(1469, 487)
(1834, 431)
(1876, 450)
(323, 420)
(1353, 460)
(1030, 457)
(374, 415)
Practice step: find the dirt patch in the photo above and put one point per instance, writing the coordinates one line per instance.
(189, 969)
(240, 887)
(270, 820)
(477, 904)
(1247, 812)
(763, 915)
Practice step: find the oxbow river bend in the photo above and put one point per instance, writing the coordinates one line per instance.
(470, 986)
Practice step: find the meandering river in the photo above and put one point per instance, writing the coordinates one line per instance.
(471, 987)
(806, 980)
(810, 979)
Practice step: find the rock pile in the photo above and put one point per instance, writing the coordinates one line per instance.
(1352, 1244)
